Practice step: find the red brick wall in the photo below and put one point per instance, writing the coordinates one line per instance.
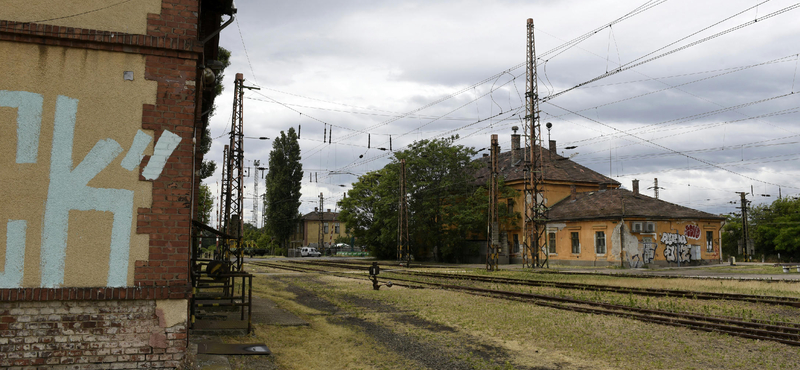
(88, 335)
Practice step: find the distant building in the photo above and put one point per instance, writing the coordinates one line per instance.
(586, 214)
(307, 232)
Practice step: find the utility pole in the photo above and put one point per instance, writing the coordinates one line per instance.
(256, 167)
(745, 234)
(403, 248)
(655, 187)
(493, 243)
(232, 173)
(534, 130)
(321, 220)
(221, 205)
(232, 181)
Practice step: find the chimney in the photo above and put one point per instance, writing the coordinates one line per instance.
(572, 193)
(553, 147)
(635, 187)
(329, 210)
(515, 153)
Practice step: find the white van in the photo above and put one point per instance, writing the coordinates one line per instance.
(309, 252)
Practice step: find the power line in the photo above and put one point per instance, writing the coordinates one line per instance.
(631, 64)
(241, 37)
(671, 150)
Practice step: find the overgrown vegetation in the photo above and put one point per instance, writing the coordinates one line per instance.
(446, 204)
(774, 228)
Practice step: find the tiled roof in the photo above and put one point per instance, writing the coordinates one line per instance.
(326, 216)
(556, 168)
(608, 204)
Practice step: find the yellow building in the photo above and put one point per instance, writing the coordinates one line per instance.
(592, 221)
(100, 106)
(308, 230)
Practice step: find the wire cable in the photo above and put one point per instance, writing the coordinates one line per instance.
(629, 65)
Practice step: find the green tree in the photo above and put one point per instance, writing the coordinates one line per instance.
(205, 204)
(787, 223)
(774, 228)
(207, 167)
(731, 235)
(283, 187)
(446, 204)
(370, 212)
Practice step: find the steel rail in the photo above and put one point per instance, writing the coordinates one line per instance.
(774, 300)
(786, 335)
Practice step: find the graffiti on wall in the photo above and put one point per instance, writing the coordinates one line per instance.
(675, 247)
(645, 254)
(68, 189)
(692, 232)
(648, 250)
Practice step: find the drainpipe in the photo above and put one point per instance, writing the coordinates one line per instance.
(226, 24)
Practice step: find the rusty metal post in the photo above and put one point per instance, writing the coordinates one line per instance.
(403, 248)
(534, 129)
(493, 245)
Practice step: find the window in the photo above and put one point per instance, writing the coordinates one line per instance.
(336, 229)
(709, 241)
(325, 228)
(576, 244)
(600, 242)
(510, 203)
(516, 243)
(551, 243)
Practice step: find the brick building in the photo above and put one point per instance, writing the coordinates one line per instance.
(102, 104)
(593, 221)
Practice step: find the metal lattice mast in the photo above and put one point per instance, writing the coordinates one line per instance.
(232, 173)
(538, 209)
(222, 194)
(403, 249)
(493, 247)
(256, 163)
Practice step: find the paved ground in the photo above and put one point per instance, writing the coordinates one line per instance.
(264, 311)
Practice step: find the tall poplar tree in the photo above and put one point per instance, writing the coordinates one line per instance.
(283, 187)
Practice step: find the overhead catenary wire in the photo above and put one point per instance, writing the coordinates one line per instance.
(631, 64)
(671, 150)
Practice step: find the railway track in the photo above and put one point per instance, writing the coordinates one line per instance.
(787, 333)
(652, 292)
(772, 300)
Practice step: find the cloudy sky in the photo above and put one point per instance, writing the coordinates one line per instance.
(703, 101)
